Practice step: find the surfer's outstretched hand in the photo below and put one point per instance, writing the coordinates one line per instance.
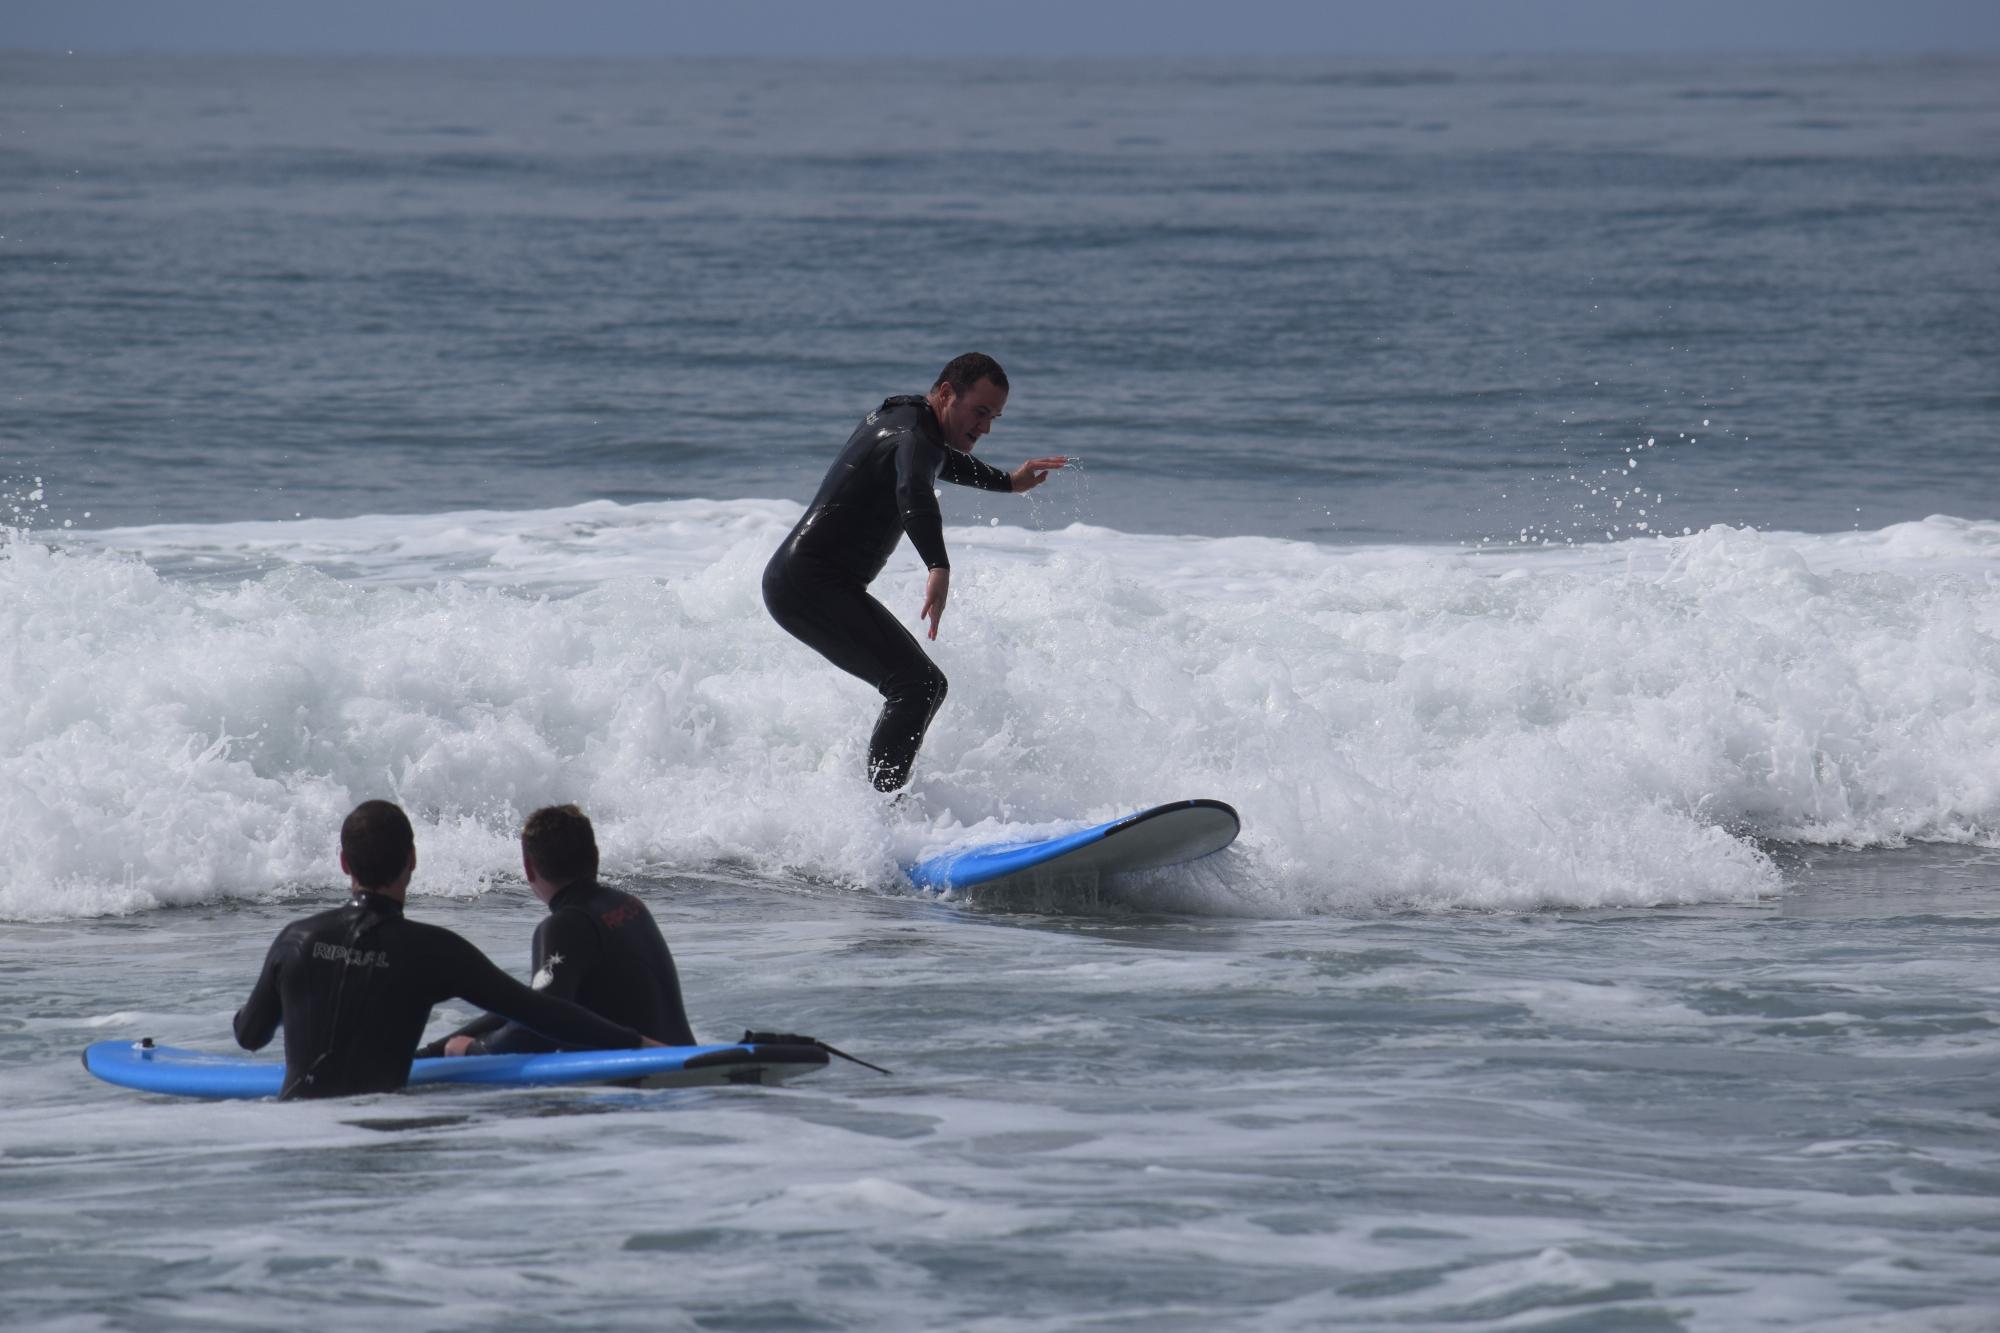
(937, 587)
(1032, 474)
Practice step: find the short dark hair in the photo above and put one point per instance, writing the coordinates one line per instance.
(967, 369)
(561, 843)
(376, 841)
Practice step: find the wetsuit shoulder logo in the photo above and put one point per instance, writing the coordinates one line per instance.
(546, 977)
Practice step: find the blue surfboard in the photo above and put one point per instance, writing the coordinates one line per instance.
(1165, 835)
(185, 1073)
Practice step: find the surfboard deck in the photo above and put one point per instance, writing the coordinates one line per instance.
(1164, 835)
(187, 1073)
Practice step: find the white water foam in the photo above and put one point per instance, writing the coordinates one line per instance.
(1400, 727)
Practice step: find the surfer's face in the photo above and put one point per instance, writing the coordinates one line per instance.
(965, 417)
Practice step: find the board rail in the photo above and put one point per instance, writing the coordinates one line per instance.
(176, 1071)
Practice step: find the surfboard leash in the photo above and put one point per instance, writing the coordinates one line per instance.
(794, 1039)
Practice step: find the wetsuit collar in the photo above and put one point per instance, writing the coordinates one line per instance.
(379, 903)
(574, 891)
(927, 421)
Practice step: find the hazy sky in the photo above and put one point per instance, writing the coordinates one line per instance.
(1009, 27)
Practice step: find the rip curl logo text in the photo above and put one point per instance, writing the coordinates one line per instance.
(340, 953)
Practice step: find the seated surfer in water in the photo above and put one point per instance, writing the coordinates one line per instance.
(598, 946)
(881, 488)
(354, 986)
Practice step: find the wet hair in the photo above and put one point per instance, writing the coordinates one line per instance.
(559, 840)
(377, 842)
(967, 369)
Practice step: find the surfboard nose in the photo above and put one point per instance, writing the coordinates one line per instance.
(1162, 835)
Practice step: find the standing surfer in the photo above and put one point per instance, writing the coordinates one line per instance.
(881, 487)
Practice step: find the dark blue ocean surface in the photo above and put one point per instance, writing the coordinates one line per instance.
(1348, 302)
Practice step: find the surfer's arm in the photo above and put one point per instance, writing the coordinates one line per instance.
(965, 470)
(260, 1015)
(482, 1026)
(475, 1034)
(566, 951)
(475, 978)
(916, 498)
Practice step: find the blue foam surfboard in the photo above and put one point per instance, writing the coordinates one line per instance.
(185, 1073)
(1162, 836)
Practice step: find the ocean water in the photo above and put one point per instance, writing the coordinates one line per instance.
(1553, 501)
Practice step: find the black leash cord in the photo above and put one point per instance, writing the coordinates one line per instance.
(794, 1039)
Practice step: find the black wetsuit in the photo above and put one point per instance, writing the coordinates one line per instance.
(882, 487)
(354, 987)
(600, 948)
